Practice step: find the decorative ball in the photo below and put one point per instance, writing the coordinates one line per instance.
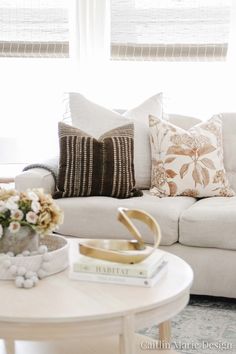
(26, 253)
(19, 282)
(7, 264)
(28, 283)
(35, 279)
(10, 254)
(13, 270)
(41, 273)
(46, 257)
(42, 249)
(21, 271)
(29, 274)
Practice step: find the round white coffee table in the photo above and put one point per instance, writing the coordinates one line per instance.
(100, 316)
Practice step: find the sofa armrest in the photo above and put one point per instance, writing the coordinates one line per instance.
(35, 178)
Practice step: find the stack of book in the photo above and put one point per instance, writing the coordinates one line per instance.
(146, 273)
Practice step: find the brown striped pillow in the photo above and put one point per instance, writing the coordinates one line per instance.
(96, 167)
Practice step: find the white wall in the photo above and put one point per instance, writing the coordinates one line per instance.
(31, 93)
(198, 89)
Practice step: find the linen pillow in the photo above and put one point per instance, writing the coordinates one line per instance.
(152, 106)
(90, 167)
(188, 162)
(95, 120)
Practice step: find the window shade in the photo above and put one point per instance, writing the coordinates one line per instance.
(170, 29)
(34, 28)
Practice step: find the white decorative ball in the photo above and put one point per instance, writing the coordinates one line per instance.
(29, 274)
(28, 283)
(19, 255)
(46, 257)
(13, 270)
(26, 253)
(35, 279)
(6, 264)
(10, 254)
(19, 282)
(21, 271)
(41, 273)
(42, 249)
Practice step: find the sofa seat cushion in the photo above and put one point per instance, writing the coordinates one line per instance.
(210, 222)
(96, 217)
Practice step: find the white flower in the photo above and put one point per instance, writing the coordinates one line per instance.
(14, 198)
(11, 205)
(1, 231)
(14, 226)
(31, 217)
(32, 196)
(2, 206)
(17, 214)
(35, 206)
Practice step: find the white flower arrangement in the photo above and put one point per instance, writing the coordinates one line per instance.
(32, 208)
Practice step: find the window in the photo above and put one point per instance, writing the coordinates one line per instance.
(34, 28)
(169, 29)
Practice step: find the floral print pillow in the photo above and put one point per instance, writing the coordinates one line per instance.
(188, 163)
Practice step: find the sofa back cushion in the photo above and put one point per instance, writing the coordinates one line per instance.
(183, 122)
(229, 145)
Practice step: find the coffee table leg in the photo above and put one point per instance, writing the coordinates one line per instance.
(165, 333)
(9, 346)
(127, 339)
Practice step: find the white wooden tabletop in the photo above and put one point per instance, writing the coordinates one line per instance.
(62, 309)
(57, 299)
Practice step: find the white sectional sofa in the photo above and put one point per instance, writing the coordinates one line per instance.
(203, 232)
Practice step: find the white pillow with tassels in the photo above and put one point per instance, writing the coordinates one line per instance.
(96, 120)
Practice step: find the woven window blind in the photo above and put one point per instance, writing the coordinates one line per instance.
(178, 30)
(34, 28)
